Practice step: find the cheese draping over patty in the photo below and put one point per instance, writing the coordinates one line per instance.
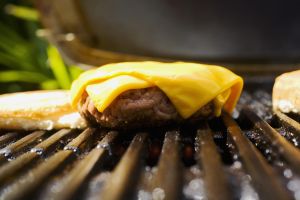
(189, 86)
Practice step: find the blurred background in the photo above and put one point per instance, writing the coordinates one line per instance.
(27, 60)
(252, 39)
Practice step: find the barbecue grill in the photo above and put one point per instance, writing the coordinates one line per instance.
(253, 154)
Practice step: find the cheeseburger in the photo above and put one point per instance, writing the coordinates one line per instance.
(133, 95)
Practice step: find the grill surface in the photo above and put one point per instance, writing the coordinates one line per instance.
(254, 156)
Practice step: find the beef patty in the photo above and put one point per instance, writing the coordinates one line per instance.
(139, 108)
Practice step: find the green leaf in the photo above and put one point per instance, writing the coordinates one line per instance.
(13, 62)
(10, 33)
(8, 60)
(38, 48)
(58, 67)
(22, 76)
(13, 47)
(75, 71)
(22, 12)
(49, 85)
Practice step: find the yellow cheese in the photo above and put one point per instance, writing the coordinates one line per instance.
(189, 86)
(109, 89)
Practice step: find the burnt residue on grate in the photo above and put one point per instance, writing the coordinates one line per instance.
(254, 155)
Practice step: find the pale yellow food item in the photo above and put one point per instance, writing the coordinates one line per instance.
(286, 92)
(34, 110)
(189, 86)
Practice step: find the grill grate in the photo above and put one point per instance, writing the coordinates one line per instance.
(255, 156)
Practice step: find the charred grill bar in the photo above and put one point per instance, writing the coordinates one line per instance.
(254, 155)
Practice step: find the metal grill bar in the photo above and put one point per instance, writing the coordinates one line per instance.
(72, 181)
(215, 182)
(19, 188)
(7, 136)
(61, 176)
(2, 159)
(263, 176)
(11, 168)
(168, 178)
(75, 143)
(289, 152)
(21, 143)
(40, 148)
(288, 122)
(125, 176)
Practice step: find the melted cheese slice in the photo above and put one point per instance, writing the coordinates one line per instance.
(189, 86)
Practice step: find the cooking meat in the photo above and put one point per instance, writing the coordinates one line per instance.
(139, 108)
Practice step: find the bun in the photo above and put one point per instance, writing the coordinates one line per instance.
(34, 110)
(286, 92)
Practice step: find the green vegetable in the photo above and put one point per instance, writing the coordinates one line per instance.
(28, 62)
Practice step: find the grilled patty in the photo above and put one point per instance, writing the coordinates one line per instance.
(139, 108)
